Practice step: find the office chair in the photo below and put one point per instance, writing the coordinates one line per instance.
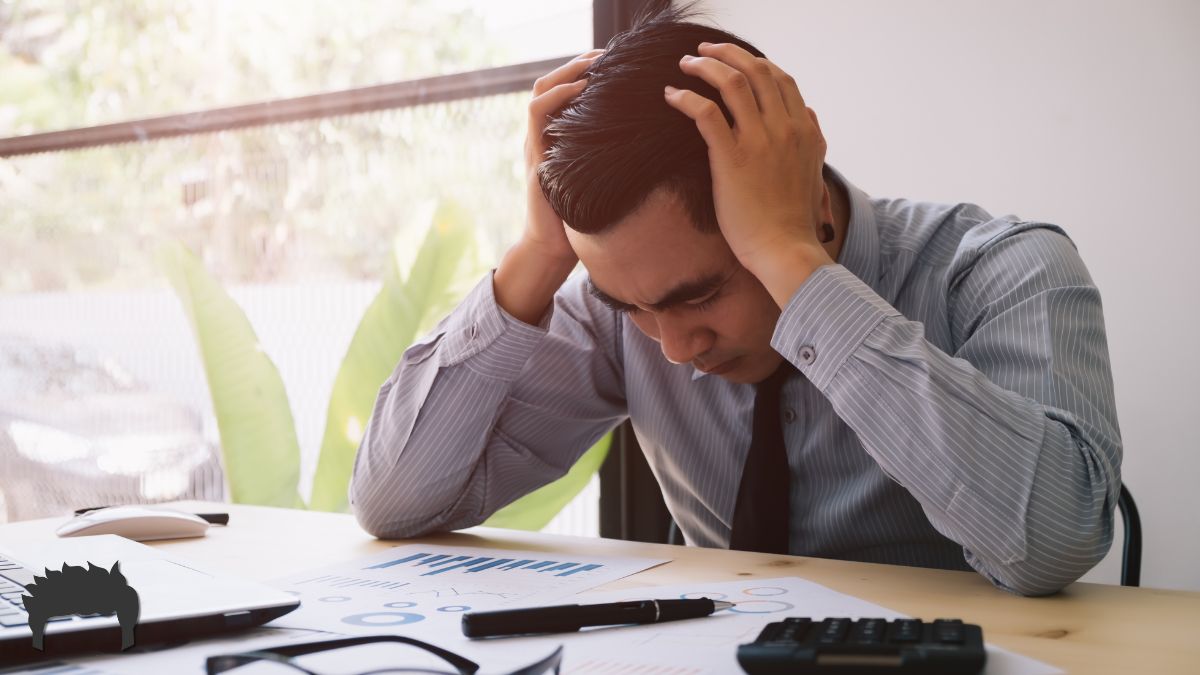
(1131, 553)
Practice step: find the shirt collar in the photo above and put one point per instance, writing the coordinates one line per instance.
(860, 251)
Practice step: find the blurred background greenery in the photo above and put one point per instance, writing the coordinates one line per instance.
(289, 202)
(301, 222)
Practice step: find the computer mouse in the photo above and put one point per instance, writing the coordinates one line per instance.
(139, 523)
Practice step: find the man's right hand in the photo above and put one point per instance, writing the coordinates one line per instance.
(538, 264)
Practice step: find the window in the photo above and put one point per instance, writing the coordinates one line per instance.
(297, 220)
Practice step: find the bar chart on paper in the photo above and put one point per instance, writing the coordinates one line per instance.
(441, 563)
(446, 571)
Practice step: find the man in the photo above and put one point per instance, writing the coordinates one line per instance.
(808, 370)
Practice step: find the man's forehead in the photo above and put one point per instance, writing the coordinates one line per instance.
(660, 230)
(652, 255)
(661, 206)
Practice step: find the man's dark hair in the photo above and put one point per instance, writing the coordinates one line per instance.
(619, 140)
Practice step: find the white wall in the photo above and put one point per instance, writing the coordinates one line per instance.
(1077, 112)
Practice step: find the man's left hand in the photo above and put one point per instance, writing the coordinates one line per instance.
(768, 189)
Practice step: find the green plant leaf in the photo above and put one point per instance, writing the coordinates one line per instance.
(258, 434)
(536, 509)
(397, 315)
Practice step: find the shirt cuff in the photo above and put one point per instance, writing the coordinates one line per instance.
(827, 320)
(488, 339)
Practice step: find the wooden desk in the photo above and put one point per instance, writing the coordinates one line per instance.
(1088, 628)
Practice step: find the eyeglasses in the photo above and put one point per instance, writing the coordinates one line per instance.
(417, 656)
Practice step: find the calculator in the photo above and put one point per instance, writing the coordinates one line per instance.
(865, 646)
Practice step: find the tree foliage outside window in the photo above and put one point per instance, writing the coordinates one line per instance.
(297, 201)
(334, 202)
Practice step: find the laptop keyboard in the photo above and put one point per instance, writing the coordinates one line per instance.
(12, 581)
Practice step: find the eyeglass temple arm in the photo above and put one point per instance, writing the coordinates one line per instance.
(464, 666)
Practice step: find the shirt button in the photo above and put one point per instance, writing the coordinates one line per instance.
(789, 416)
(807, 355)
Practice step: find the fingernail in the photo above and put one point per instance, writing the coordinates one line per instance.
(688, 57)
(705, 44)
(670, 90)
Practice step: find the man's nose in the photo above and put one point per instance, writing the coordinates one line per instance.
(682, 341)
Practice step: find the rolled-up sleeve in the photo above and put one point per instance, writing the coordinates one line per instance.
(1010, 443)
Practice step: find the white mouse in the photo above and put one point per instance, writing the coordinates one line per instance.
(140, 523)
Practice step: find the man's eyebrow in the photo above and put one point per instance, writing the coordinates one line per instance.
(688, 290)
(611, 302)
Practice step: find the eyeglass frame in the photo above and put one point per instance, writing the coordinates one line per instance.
(283, 654)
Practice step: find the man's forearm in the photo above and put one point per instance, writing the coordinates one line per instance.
(1022, 485)
(404, 486)
(416, 468)
(525, 282)
(472, 419)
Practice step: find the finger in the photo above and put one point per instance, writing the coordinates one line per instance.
(553, 100)
(567, 72)
(757, 70)
(820, 135)
(706, 114)
(812, 114)
(789, 91)
(734, 87)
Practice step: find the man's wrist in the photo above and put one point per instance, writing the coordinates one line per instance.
(525, 282)
(782, 270)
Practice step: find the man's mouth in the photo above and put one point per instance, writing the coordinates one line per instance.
(722, 367)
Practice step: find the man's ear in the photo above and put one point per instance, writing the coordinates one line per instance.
(824, 222)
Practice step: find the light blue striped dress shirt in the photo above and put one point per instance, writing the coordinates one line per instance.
(954, 406)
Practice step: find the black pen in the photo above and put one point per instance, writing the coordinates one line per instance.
(567, 618)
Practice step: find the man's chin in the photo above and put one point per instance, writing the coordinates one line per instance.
(749, 370)
(744, 369)
(739, 377)
(740, 371)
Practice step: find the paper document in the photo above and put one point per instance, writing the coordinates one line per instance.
(422, 590)
(708, 646)
(392, 594)
(414, 590)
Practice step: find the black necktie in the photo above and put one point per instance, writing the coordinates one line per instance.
(761, 516)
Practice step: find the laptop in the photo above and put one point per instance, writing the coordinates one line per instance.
(178, 601)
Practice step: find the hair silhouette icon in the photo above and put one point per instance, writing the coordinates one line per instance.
(76, 590)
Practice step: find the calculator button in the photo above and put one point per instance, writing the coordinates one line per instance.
(948, 631)
(771, 633)
(866, 645)
(905, 630)
(793, 631)
(833, 631)
(868, 631)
